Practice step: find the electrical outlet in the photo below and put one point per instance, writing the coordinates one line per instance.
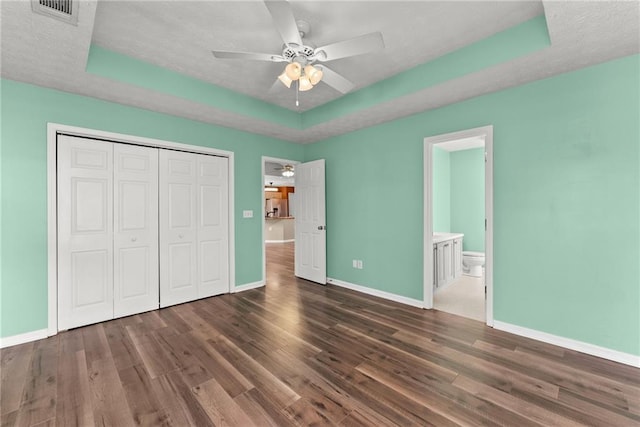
(360, 264)
(355, 263)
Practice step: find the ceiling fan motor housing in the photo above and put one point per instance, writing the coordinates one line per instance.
(301, 54)
(304, 54)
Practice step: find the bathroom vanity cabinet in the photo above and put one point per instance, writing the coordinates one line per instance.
(447, 258)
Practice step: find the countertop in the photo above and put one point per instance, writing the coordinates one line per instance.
(279, 217)
(441, 237)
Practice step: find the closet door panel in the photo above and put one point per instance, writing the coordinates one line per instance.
(213, 225)
(178, 227)
(136, 277)
(85, 231)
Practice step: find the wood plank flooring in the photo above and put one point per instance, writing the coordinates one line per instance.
(297, 353)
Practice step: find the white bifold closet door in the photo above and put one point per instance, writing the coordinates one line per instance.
(107, 230)
(135, 240)
(194, 227)
(85, 231)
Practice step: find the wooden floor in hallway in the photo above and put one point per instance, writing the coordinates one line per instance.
(298, 353)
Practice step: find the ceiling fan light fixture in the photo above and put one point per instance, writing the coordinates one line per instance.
(293, 70)
(299, 55)
(314, 74)
(287, 173)
(285, 79)
(304, 84)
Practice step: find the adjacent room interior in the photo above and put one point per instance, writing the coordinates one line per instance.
(458, 222)
(218, 213)
(279, 218)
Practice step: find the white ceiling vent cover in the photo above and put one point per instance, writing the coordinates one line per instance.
(63, 10)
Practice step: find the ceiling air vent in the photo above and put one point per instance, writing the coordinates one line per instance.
(63, 10)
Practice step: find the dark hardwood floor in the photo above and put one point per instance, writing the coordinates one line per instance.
(297, 353)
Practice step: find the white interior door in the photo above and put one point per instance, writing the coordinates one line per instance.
(213, 225)
(135, 242)
(311, 238)
(178, 275)
(85, 231)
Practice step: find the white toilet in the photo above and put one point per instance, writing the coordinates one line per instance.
(472, 263)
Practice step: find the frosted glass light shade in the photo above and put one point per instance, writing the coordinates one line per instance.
(314, 74)
(293, 70)
(305, 84)
(287, 173)
(285, 79)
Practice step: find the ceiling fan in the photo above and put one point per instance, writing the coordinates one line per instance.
(303, 59)
(287, 170)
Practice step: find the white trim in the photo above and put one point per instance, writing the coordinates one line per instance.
(376, 293)
(23, 338)
(488, 208)
(582, 347)
(262, 209)
(280, 241)
(53, 129)
(52, 230)
(247, 286)
(429, 142)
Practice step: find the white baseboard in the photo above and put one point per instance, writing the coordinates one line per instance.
(376, 293)
(247, 286)
(280, 241)
(582, 347)
(23, 338)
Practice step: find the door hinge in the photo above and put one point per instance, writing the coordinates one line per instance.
(485, 224)
(485, 157)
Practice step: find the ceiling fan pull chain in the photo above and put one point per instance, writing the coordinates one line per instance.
(297, 91)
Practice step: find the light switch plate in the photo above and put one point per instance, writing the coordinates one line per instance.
(247, 214)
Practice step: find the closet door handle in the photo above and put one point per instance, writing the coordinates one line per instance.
(180, 236)
(133, 239)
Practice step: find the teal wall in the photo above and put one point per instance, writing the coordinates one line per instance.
(458, 195)
(467, 197)
(507, 45)
(441, 190)
(566, 202)
(116, 66)
(26, 109)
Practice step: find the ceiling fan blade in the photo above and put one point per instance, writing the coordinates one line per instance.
(335, 80)
(285, 22)
(356, 46)
(248, 55)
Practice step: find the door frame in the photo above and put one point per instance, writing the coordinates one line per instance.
(53, 129)
(429, 142)
(266, 159)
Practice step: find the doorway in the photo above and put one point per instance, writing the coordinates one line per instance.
(446, 276)
(309, 219)
(278, 215)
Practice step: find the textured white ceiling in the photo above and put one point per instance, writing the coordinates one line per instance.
(179, 35)
(273, 175)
